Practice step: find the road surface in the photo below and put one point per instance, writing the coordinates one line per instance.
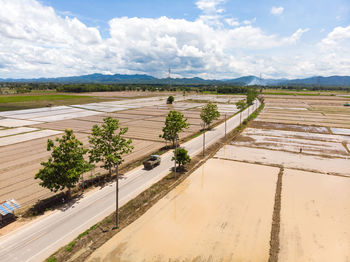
(39, 239)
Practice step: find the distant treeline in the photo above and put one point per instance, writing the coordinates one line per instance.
(221, 89)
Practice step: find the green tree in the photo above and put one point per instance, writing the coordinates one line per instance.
(182, 157)
(170, 100)
(240, 106)
(65, 165)
(251, 95)
(209, 113)
(174, 124)
(108, 147)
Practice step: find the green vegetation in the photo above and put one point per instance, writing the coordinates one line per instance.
(182, 157)
(43, 98)
(20, 98)
(209, 113)
(174, 124)
(241, 105)
(86, 232)
(170, 100)
(65, 165)
(70, 246)
(107, 146)
(251, 96)
(51, 259)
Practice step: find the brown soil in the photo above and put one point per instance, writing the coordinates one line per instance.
(94, 238)
(20, 162)
(289, 127)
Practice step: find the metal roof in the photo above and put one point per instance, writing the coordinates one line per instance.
(8, 207)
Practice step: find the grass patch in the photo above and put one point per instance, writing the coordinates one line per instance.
(70, 246)
(20, 102)
(51, 259)
(16, 99)
(86, 232)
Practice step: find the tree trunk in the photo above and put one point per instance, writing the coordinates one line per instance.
(109, 172)
(117, 198)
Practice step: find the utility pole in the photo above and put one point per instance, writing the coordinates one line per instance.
(203, 138)
(116, 198)
(175, 158)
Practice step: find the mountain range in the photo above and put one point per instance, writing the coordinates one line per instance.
(147, 79)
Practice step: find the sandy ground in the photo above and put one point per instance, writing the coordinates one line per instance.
(222, 212)
(314, 223)
(289, 160)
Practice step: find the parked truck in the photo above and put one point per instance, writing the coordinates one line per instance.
(151, 162)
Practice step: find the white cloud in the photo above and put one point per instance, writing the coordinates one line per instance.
(336, 37)
(209, 6)
(249, 22)
(36, 42)
(232, 21)
(277, 10)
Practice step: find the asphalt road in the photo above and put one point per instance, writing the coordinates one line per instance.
(42, 237)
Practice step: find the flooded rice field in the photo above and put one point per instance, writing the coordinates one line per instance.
(222, 212)
(315, 217)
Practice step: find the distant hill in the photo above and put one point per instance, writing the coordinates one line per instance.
(147, 79)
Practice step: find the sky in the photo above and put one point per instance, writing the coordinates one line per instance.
(212, 39)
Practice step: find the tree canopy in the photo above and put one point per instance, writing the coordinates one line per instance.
(240, 104)
(65, 165)
(251, 95)
(170, 100)
(107, 146)
(182, 157)
(174, 124)
(210, 113)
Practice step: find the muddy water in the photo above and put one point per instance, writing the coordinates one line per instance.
(293, 145)
(222, 212)
(315, 217)
(286, 159)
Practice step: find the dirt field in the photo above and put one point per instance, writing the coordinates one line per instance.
(315, 217)
(216, 214)
(327, 111)
(23, 148)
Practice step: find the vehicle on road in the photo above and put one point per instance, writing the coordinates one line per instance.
(151, 162)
